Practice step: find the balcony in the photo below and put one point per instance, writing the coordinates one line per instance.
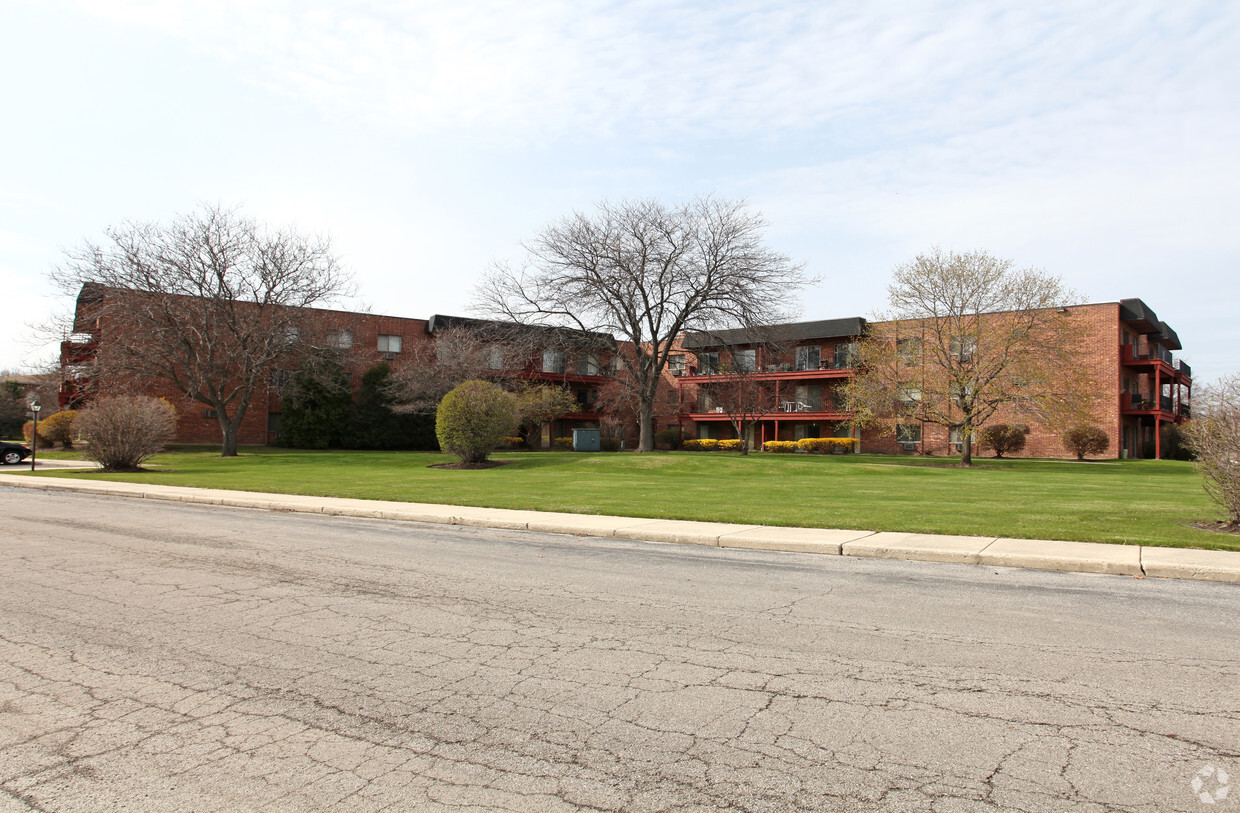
(776, 372)
(1138, 403)
(1128, 354)
(1181, 367)
(72, 353)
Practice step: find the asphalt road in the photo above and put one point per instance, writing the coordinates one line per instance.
(159, 656)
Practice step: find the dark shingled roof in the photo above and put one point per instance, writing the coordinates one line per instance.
(440, 321)
(1169, 337)
(1139, 315)
(785, 334)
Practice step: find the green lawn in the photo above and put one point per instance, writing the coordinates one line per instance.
(1135, 502)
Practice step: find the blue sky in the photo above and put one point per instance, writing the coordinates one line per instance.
(1097, 140)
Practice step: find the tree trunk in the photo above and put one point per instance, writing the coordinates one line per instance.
(966, 446)
(645, 426)
(229, 428)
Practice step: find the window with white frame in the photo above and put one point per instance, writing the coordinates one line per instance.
(955, 438)
(908, 433)
(845, 355)
(676, 363)
(588, 364)
(389, 343)
(909, 351)
(963, 348)
(553, 361)
(340, 339)
(495, 357)
(910, 395)
(745, 361)
(809, 357)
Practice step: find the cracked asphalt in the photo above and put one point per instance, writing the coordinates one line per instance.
(159, 656)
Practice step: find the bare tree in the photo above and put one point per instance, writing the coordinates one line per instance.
(968, 335)
(207, 304)
(644, 272)
(1214, 435)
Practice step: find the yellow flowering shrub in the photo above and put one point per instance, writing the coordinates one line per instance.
(700, 445)
(780, 446)
(733, 445)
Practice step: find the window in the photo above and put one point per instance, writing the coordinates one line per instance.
(708, 363)
(909, 351)
(809, 357)
(910, 394)
(495, 358)
(292, 334)
(955, 438)
(706, 401)
(963, 348)
(553, 361)
(745, 361)
(961, 392)
(908, 433)
(588, 364)
(845, 355)
(676, 363)
(389, 343)
(616, 365)
(340, 339)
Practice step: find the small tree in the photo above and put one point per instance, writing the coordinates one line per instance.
(1003, 438)
(1215, 437)
(58, 428)
(538, 404)
(474, 418)
(124, 431)
(1086, 440)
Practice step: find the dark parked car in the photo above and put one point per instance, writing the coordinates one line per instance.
(13, 453)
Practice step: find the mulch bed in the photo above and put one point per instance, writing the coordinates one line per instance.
(1219, 527)
(490, 464)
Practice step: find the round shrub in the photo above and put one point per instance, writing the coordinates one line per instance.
(1086, 440)
(1002, 438)
(123, 431)
(58, 428)
(473, 419)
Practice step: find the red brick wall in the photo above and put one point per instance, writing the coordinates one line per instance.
(1097, 355)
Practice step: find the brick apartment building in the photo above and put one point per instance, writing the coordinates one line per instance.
(362, 340)
(1124, 351)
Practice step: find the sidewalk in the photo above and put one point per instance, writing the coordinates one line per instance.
(1037, 554)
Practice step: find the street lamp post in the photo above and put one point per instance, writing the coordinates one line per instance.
(35, 406)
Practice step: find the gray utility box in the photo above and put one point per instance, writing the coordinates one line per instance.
(585, 440)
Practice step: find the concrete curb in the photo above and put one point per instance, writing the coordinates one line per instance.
(1035, 554)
